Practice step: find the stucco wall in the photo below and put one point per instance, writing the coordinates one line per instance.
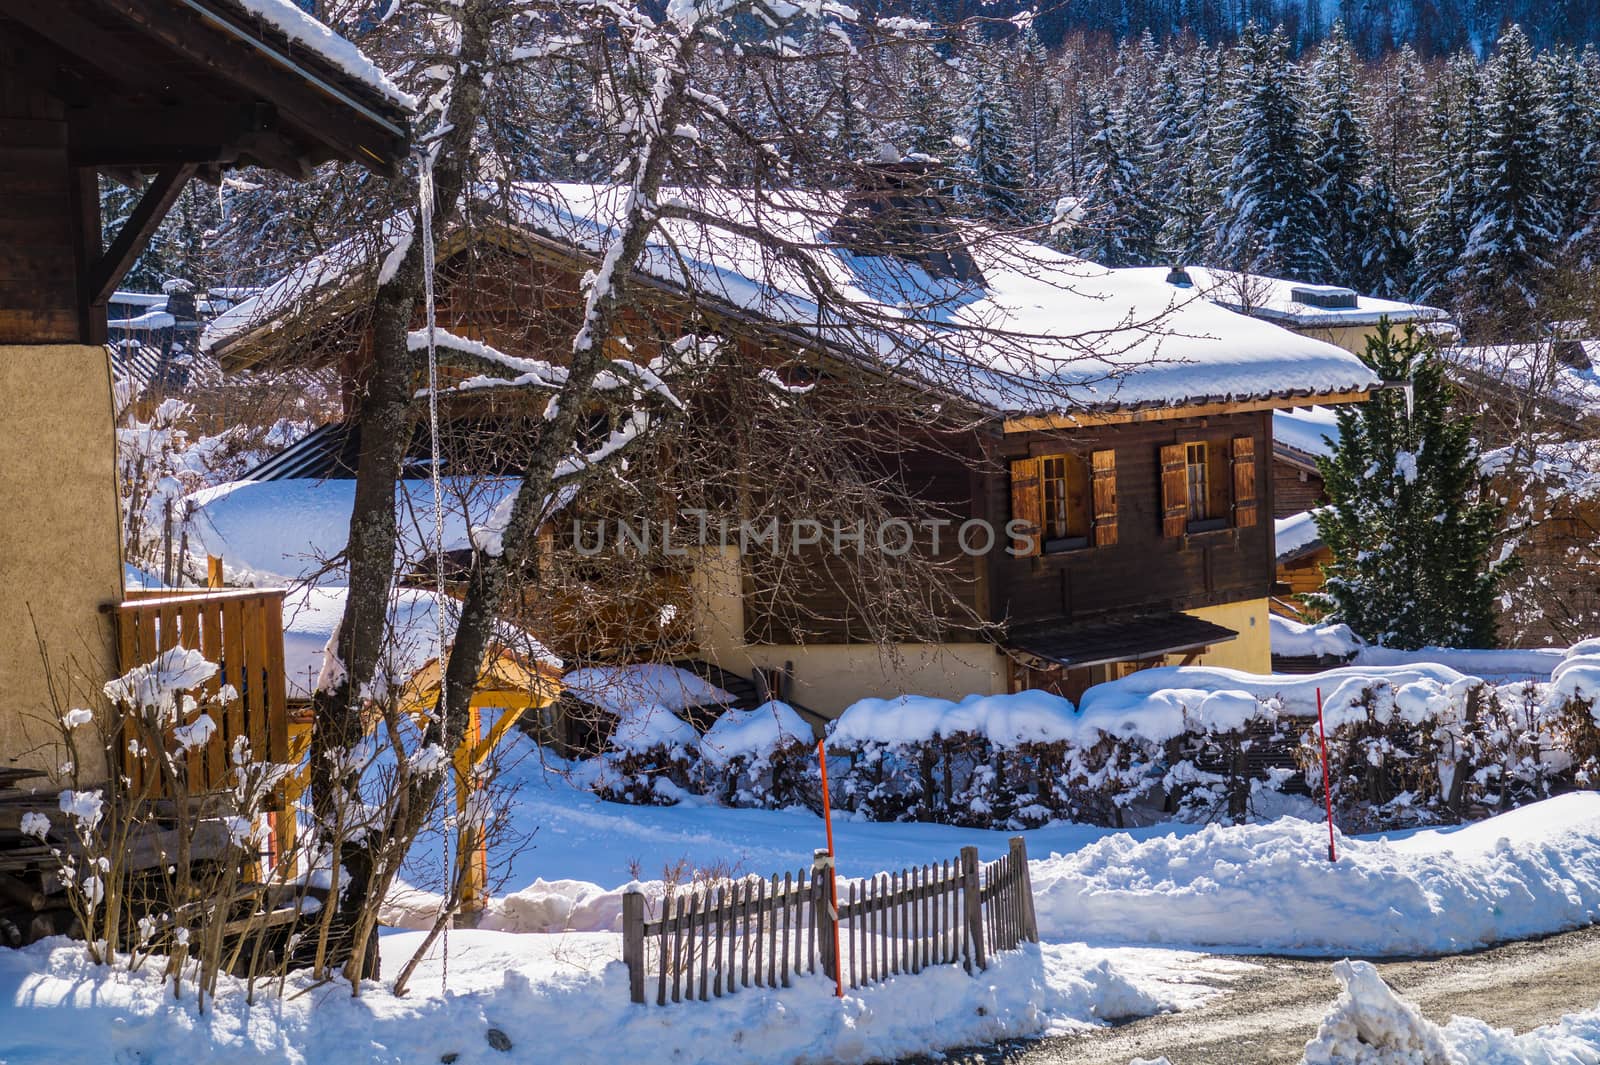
(60, 551)
(1252, 651)
(829, 677)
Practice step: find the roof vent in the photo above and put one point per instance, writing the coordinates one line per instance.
(1328, 297)
(1177, 275)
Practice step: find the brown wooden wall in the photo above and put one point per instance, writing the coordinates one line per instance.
(38, 253)
(1294, 489)
(1143, 570)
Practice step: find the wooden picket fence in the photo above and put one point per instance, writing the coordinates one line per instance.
(709, 941)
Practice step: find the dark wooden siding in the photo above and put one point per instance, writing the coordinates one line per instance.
(1143, 570)
(38, 267)
(1294, 489)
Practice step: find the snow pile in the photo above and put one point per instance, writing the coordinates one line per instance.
(753, 733)
(1294, 639)
(550, 998)
(1371, 1025)
(1496, 665)
(1531, 871)
(1576, 678)
(1003, 720)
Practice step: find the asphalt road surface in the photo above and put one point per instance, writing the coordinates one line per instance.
(1268, 1014)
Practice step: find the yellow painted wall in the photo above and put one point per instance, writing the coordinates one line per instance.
(829, 677)
(60, 546)
(1252, 651)
(1352, 338)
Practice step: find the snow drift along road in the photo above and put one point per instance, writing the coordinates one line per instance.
(1269, 887)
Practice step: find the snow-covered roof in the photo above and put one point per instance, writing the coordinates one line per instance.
(1296, 535)
(1043, 332)
(311, 616)
(1294, 639)
(1303, 306)
(305, 31)
(275, 532)
(646, 684)
(1563, 372)
(1311, 431)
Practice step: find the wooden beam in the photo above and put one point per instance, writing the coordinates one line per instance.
(80, 38)
(1090, 419)
(106, 273)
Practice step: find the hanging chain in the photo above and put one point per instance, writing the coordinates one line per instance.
(425, 196)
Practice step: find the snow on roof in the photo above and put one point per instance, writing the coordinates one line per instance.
(619, 688)
(1559, 371)
(276, 532)
(311, 616)
(1294, 639)
(1295, 535)
(1309, 430)
(306, 31)
(1301, 305)
(147, 320)
(1044, 332)
(1499, 665)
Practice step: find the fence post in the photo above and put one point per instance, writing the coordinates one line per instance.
(823, 915)
(633, 942)
(972, 903)
(1030, 919)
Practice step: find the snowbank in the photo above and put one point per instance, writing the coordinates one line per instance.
(751, 733)
(1496, 665)
(552, 998)
(1294, 639)
(1004, 720)
(1371, 1025)
(1529, 872)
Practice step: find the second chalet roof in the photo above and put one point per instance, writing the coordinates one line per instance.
(1037, 332)
(1125, 639)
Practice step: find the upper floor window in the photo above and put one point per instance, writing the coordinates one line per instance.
(1064, 502)
(1207, 485)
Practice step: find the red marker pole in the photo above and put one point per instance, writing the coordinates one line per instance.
(833, 870)
(1327, 785)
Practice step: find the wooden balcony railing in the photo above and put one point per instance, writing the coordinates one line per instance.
(242, 631)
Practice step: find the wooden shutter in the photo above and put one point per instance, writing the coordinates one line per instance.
(1244, 481)
(1105, 497)
(1027, 503)
(1174, 491)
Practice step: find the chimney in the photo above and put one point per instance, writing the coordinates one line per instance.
(897, 209)
(1178, 276)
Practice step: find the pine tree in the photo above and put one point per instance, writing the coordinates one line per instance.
(1120, 223)
(1186, 165)
(1449, 186)
(1574, 125)
(927, 120)
(1268, 221)
(991, 172)
(1515, 221)
(1386, 252)
(1409, 523)
(1339, 160)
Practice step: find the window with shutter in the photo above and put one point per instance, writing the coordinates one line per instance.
(1244, 481)
(1174, 490)
(1104, 465)
(1026, 506)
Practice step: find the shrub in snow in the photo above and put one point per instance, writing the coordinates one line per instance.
(652, 757)
(762, 758)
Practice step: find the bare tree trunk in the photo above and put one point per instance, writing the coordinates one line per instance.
(385, 418)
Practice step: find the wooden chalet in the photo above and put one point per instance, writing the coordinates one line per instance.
(148, 93)
(1143, 486)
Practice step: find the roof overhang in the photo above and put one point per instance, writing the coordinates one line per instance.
(1077, 646)
(1088, 419)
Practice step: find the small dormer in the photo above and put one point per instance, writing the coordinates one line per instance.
(1327, 297)
(897, 209)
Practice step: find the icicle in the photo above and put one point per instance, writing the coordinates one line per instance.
(425, 206)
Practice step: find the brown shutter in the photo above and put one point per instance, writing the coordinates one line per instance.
(1174, 491)
(1105, 497)
(1244, 481)
(1027, 504)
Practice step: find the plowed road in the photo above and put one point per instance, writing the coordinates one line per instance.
(1268, 1013)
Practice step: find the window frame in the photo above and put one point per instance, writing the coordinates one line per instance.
(1056, 538)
